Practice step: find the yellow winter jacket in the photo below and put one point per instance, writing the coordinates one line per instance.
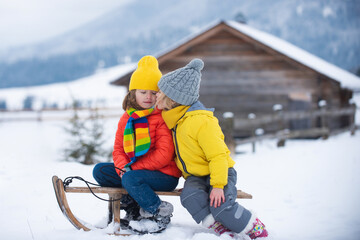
(199, 143)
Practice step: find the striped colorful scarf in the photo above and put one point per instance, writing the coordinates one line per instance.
(136, 134)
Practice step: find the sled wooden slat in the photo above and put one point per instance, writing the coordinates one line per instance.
(113, 207)
(109, 190)
(64, 206)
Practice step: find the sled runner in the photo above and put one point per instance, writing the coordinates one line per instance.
(113, 207)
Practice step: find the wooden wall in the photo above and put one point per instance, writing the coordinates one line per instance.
(243, 76)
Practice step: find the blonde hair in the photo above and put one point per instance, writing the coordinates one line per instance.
(130, 101)
(168, 102)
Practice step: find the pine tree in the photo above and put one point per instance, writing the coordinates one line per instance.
(86, 138)
(240, 17)
(3, 105)
(357, 72)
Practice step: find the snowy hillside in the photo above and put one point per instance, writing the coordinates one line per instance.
(141, 19)
(327, 29)
(94, 91)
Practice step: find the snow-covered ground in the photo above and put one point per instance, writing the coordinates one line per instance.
(307, 190)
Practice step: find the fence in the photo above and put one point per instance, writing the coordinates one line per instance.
(58, 114)
(229, 123)
(253, 124)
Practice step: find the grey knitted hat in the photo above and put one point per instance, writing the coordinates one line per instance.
(182, 85)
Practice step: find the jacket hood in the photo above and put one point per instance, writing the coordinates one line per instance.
(199, 106)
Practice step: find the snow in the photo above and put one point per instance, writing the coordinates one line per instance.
(277, 107)
(307, 190)
(299, 10)
(322, 103)
(347, 79)
(144, 225)
(259, 131)
(251, 116)
(228, 115)
(327, 12)
(94, 89)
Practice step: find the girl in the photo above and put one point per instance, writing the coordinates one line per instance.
(143, 154)
(209, 191)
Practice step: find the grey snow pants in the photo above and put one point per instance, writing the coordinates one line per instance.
(195, 198)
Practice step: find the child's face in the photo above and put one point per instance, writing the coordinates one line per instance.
(160, 100)
(145, 98)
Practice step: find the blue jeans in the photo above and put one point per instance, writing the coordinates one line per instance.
(140, 184)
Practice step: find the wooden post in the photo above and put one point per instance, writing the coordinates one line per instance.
(352, 121)
(258, 133)
(280, 142)
(278, 109)
(110, 209)
(323, 120)
(116, 212)
(252, 129)
(39, 115)
(228, 128)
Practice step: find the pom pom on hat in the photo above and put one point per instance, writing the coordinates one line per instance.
(182, 85)
(147, 74)
(196, 64)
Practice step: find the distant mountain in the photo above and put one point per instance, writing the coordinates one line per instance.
(329, 29)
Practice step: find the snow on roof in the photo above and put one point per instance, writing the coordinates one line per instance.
(175, 45)
(188, 38)
(345, 78)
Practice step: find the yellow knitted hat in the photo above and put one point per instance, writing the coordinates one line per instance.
(147, 75)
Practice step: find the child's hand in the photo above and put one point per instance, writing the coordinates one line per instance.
(122, 172)
(217, 197)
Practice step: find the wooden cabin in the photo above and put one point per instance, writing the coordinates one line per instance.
(249, 71)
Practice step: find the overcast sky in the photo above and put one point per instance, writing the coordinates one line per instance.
(30, 21)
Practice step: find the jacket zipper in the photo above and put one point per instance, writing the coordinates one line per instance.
(177, 151)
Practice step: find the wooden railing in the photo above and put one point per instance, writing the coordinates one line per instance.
(229, 124)
(232, 124)
(293, 115)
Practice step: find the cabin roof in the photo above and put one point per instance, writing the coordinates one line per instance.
(345, 78)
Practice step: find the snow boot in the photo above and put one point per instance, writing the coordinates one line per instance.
(217, 227)
(153, 223)
(165, 209)
(150, 225)
(133, 213)
(255, 228)
(131, 208)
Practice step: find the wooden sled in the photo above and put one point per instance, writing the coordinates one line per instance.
(113, 207)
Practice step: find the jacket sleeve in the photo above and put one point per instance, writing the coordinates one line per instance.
(211, 140)
(119, 156)
(161, 154)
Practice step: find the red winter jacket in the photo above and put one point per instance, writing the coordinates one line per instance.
(161, 153)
